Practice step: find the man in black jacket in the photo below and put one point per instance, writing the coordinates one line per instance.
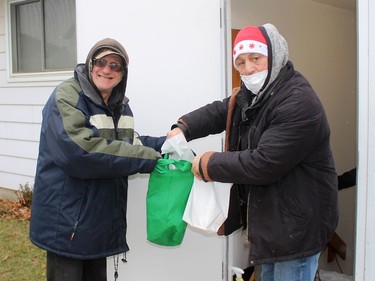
(277, 155)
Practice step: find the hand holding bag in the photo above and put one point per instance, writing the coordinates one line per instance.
(168, 191)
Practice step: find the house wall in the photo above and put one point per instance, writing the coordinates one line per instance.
(141, 24)
(20, 117)
(322, 45)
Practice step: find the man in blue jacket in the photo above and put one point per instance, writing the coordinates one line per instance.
(88, 148)
(277, 154)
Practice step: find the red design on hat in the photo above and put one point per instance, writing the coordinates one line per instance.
(249, 40)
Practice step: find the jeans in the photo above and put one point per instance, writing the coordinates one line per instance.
(67, 269)
(302, 269)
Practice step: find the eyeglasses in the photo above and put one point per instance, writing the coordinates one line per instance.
(113, 66)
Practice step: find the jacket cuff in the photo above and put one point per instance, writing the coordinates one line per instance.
(203, 165)
(183, 126)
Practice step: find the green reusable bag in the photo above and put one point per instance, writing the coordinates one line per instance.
(168, 191)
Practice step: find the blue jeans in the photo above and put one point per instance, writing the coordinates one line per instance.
(302, 269)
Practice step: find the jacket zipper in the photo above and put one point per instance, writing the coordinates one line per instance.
(115, 123)
(247, 239)
(74, 231)
(78, 216)
(247, 236)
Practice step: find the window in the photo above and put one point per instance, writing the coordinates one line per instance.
(42, 36)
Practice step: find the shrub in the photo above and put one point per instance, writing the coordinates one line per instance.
(25, 195)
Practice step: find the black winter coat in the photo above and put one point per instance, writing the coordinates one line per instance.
(280, 161)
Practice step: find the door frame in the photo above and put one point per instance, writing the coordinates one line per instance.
(365, 220)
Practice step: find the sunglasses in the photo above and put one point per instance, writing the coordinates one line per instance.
(113, 66)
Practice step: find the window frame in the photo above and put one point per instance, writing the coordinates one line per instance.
(46, 76)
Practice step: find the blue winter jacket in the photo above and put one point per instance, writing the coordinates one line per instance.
(87, 151)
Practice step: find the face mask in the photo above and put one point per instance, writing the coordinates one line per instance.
(255, 81)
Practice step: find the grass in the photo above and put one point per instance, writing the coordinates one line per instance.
(19, 259)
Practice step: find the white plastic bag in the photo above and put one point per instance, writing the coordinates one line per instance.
(178, 148)
(207, 206)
